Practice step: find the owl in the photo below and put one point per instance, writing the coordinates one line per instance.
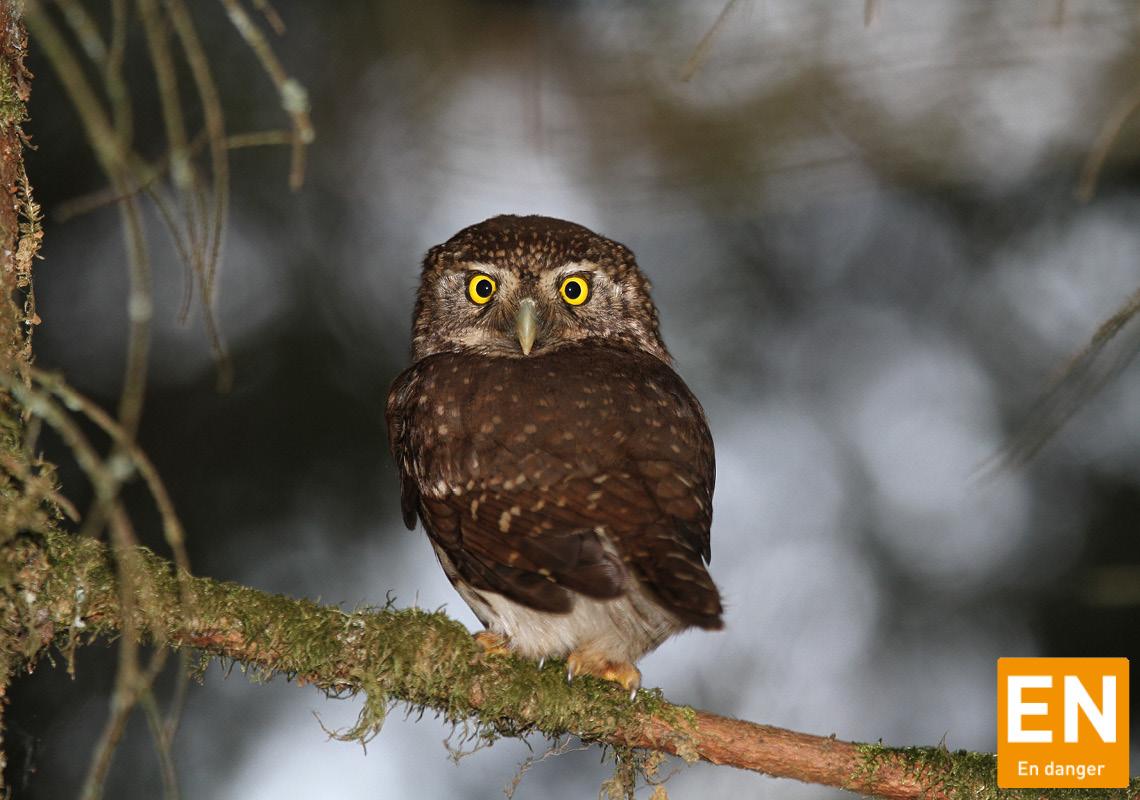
(562, 470)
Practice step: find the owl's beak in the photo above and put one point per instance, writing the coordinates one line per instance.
(526, 324)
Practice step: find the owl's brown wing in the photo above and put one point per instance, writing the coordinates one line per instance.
(558, 473)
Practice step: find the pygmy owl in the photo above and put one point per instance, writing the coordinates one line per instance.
(562, 469)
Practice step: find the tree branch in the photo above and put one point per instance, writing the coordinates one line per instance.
(66, 594)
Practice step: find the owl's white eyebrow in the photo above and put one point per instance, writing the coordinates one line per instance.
(479, 266)
(569, 268)
(575, 266)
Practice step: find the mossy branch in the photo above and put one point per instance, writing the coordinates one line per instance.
(66, 594)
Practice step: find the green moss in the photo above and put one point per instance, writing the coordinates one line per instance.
(388, 656)
(12, 108)
(422, 659)
(964, 775)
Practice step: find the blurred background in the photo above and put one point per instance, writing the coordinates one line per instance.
(861, 224)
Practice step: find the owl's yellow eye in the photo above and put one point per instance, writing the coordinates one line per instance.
(480, 288)
(574, 290)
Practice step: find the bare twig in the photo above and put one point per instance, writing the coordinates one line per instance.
(148, 173)
(114, 162)
(171, 525)
(113, 74)
(86, 31)
(1082, 377)
(700, 53)
(870, 12)
(219, 164)
(1109, 132)
(162, 738)
(294, 98)
(182, 167)
(271, 16)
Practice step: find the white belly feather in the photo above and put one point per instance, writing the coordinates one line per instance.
(622, 629)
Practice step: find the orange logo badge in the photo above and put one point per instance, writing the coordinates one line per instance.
(1062, 723)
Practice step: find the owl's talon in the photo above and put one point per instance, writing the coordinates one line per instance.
(570, 673)
(623, 673)
(493, 644)
(542, 662)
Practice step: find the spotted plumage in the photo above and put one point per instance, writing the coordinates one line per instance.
(561, 468)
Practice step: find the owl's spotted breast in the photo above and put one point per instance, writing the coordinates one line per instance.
(584, 471)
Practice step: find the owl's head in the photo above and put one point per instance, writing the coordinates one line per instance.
(522, 286)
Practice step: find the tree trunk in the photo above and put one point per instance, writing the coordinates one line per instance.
(19, 240)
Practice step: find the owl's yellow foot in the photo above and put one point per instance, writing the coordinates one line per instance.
(493, 644)
(588, 662)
